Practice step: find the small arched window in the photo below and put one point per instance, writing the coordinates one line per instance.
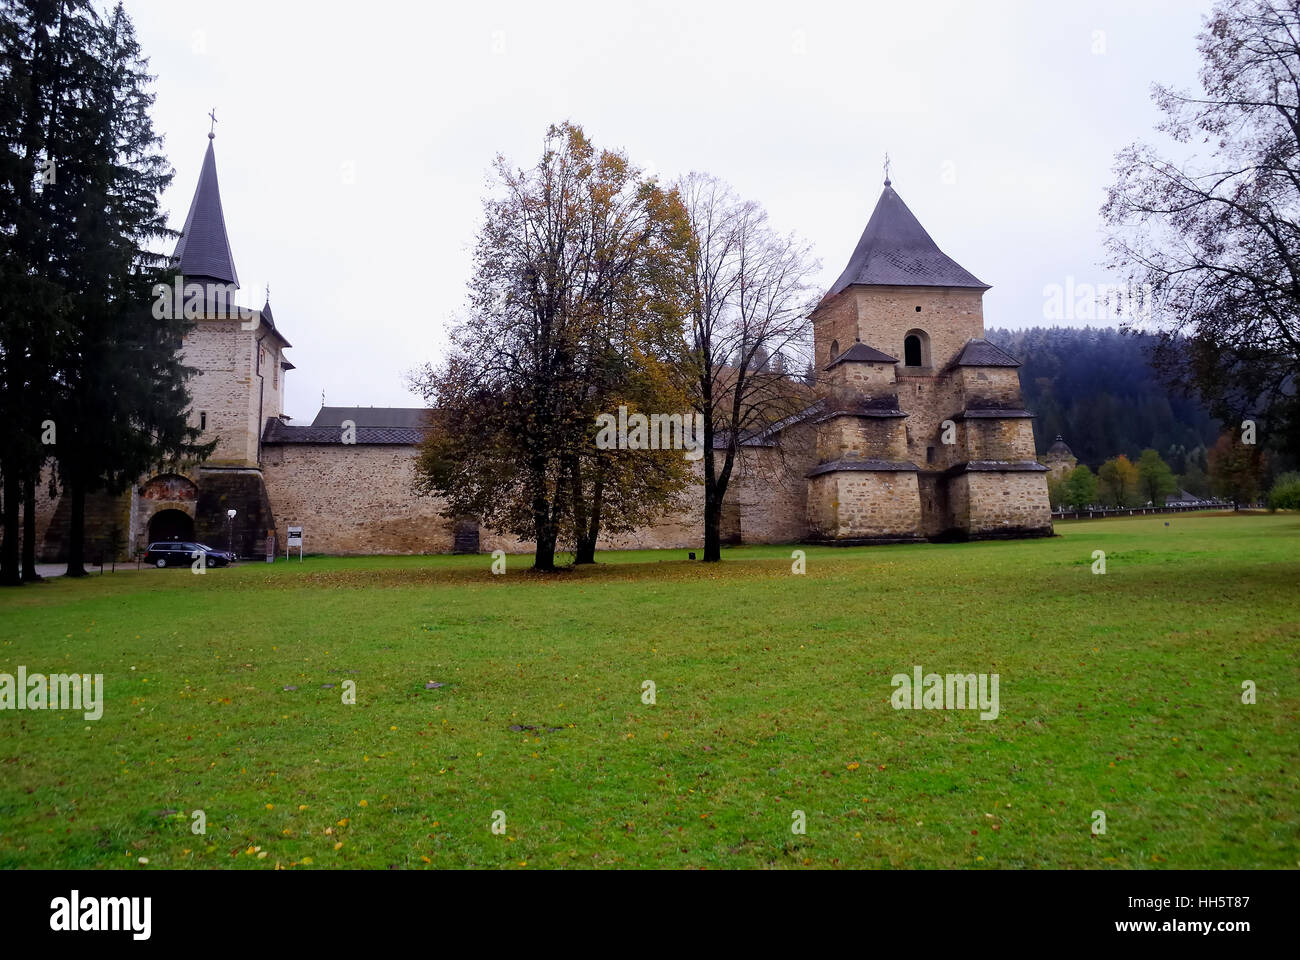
(916, 348)
(835, 349)
(912, 350)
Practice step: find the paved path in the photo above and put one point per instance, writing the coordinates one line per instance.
(59, 569)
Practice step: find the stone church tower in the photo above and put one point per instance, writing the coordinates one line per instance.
(922, 433)
(239, 388)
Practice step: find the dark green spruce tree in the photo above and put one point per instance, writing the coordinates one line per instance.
(125, 392)
(39, 63)
(82, 351)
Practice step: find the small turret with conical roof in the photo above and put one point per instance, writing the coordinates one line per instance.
(1059, 448)
(1059, 459)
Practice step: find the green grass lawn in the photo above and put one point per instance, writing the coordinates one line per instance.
(1120, 693)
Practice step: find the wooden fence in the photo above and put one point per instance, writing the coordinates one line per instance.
(1142, 511)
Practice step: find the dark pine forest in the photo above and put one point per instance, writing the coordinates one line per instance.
(1096, 388)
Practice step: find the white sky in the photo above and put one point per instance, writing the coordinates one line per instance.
(793, 103)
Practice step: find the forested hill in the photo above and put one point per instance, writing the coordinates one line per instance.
(1096, 388)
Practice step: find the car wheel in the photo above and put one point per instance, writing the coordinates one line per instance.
(212, 561)
(160, 562)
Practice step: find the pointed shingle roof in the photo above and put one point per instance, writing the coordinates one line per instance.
(203, 252)
(895, 250)
(269, 322)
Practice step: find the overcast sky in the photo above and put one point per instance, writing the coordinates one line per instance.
(354, 139)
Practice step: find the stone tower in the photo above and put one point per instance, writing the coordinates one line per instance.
(239, 388)
(1059, 459)
(922, 432)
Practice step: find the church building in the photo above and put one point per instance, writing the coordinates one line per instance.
(917, 430)
(921, 432)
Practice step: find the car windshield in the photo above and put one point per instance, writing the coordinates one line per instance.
(205, 548)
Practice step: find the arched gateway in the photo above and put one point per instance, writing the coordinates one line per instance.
(171, 525)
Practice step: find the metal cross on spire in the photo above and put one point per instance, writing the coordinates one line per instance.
(212, 130)
(887, 182)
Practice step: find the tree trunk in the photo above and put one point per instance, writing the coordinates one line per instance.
(543, 521)
(584, 551)
(715, 490)
(29, 529)
(9, 575)
(77, 527)
(712, 529)
(544, 556)
(590, 533)
(712, 508)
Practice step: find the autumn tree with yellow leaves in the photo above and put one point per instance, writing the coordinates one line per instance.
(576, 307)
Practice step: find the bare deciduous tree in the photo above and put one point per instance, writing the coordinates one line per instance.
(1216, 237)
(750, 299)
